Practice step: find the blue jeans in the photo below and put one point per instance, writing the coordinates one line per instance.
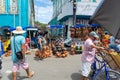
(114, 46)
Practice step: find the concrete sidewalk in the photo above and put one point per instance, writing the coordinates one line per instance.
(47, 69)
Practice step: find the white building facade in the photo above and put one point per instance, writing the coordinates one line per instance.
(63, 12)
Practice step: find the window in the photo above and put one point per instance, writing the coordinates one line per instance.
(13, 6)
(2, 6)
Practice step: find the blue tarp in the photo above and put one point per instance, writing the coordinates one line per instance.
(94, 25)
(52, 26)
(12, 29)
(56, 26)
(59, 26)
(5, 27)
(79, 25)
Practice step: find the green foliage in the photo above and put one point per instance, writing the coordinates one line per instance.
(42, 25)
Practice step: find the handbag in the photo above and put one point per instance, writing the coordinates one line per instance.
(19, 53)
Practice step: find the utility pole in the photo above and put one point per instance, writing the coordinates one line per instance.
(74, 12)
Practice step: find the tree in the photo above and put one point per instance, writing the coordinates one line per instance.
(39, 24)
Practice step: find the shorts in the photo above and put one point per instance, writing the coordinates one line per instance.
(86, 68)
(16, 66)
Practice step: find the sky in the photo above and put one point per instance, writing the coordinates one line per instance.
(43, 10)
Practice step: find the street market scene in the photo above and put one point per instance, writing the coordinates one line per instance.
(59, 40)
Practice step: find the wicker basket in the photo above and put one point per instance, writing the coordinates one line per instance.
(113, 60)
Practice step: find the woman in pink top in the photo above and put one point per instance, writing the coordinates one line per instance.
(88, 54)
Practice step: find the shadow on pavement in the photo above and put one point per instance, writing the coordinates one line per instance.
(18, 76)
(76, 76)
(36, 59)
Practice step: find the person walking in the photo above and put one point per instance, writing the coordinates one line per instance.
(88, 54)
(1, 53)
(18, 46)
(39, 45)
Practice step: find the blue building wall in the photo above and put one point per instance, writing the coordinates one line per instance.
(24, 13)
(7, 19)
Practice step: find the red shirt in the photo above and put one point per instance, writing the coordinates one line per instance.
(27, 40)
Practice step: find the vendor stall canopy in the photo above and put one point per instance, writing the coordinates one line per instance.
(24, 28)
(83, 25)
(56, 26)
(4, 30)
(94, 25)
(108, 16)
(79, 26)
(5, 27)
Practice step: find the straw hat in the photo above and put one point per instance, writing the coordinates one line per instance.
(18, 30)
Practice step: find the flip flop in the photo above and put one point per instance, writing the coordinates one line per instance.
(31, 74)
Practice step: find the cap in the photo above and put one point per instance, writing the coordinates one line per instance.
(94, 34)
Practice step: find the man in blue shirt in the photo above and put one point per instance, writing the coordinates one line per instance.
(113, 44)
(18, 44)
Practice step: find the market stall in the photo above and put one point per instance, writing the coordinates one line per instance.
(56, 30)
(31, 33)
(77, 41)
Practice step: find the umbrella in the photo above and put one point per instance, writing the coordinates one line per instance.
(108, 16)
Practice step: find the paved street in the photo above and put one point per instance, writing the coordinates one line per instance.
(48, 69)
